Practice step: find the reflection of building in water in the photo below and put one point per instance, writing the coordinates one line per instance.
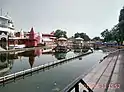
(31, 60)
(48, 39)
(5, 63)
(13, 55)
(38, 52)
(81, 50)
(61, 55)
(3, 39)
(77, 50)
(31, 54)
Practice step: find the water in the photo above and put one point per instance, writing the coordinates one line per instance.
(15, 62)
(54, 79)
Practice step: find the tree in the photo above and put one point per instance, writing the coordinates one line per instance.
(96, 39)
(59, 33)
(117, 32)
(121, 25)
(76, 35)
(82, 35)
(107, 35)
(116, 36)
(112, 35)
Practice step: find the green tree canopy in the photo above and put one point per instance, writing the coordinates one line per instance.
(117, 32)
(59, 33)
(107, 35)
(112, 35)
(82, 35)
(96, 39)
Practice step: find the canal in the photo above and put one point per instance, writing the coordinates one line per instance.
(50, 80)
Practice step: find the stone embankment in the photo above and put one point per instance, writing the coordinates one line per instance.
(107, 76)
(21, 49)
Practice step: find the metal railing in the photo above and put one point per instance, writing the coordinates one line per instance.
(75, 86)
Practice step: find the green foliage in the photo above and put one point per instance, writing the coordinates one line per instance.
(107, 35)
(82, 35)
(117, 32)
(96, 39)
(60, 33)
(112, 35)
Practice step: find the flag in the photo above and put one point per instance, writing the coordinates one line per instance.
(52, 33)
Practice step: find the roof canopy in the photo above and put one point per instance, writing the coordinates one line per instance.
(79, 38)
(5, 29)
(3, 17)
(46, 39)
(62, 39)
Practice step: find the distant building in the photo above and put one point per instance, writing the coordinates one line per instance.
(62, 41)
(6, 30)
(70, 42)
(48, 39)
(61, 45)
(78, 43)
(33, 39)
(23, 39)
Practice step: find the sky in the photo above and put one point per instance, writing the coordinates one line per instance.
(88, 16)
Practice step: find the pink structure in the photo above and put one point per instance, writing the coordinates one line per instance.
(34, 39)
(49, 39)
(31, 39)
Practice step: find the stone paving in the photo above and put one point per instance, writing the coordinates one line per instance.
(108, 75)
(119, 74)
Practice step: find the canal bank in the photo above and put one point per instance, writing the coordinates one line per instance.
(61, 75)
(22, 49)
(105, 77)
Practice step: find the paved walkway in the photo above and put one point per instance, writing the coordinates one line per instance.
(108, 75)
(120, 72)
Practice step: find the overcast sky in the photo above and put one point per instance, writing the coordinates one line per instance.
(88, 16)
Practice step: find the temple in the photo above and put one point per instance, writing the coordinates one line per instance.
(30, 39)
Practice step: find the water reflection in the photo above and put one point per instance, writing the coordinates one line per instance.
(31, 55)
(6, 63)
(59, 55)
(80, 50)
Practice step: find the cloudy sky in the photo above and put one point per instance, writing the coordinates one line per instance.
(88, 16)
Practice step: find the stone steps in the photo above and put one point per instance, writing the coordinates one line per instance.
(99, 78)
